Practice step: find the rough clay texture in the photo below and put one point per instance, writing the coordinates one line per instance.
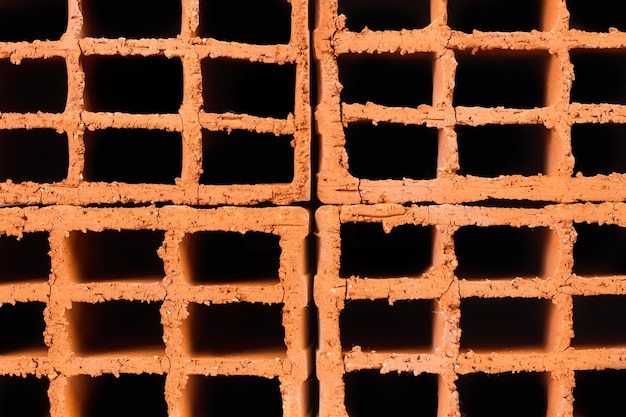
(558, 183)
(189, 120)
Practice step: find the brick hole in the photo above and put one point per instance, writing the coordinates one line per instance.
(375, 325)
(392, 15)
(25, 259)
(261, 22)
(255, 88)
(216, 257)
(494, 150)
(131, 18)
(598, 321)
(599, 250)
(22, 326)
(126, 395)
(368, 393)
(33, 85)
(501, 251)
(599, 149)
(38, 155)
(133, 156)
(133, 84)
(503, 323)
(24, 396)
(599, 76)
(522, 394)
(367, 251)
(112, 255)
(29, 20)
(234, 396)
(599, 393)
(391, 151)
(238, 328)
(387, 79)
(494, 15)
(246, 157)
(114, 326)
(501, 78)
(596, 16)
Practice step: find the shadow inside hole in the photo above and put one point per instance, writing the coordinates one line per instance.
(599, 149)
(25, 259)
(29, 20)
(598, 321)
(367, 251)
(503, 323)
(133, 156)
(369, 393)
(22, 326)
(391, 151)
(494, 150)
(131, 18)
(125, 395)
(386, 79)
(261, 22)
(599, 393)
(245, 157)
(234, 396)
(33, 85)
(24, 396)
(596, 16)
(133, 84)
(114, 326)
(599, 76)
(494, 15)
(376, 325)
(499, 252)
(599, 250)
(514, 79)
(392, 15)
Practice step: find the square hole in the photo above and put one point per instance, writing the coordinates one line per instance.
(24, 396)
(599, 76)
(234, 396)
(494, 15)
(24, 259)
(29, 20)
(114, 326)
(238, 328)
(599, 250)
(599, 321)
(376, 325)
(391, 151)
(261, 22)
(133, 156)
(368, 251)
(255, 88)
(32, 86)
(112, 255)
(133, 19)
(596, 16)
(246, 157)
(494, 150)
(387, 79)
(370, 393)
(599, 393)
(503, 323)
(599, 149)
(22, 326)
(501, 251)
(209, 257)
(126, 395)
(38, 155)
(522, 394)
(133, 84)
(501, 78)
(392, 15)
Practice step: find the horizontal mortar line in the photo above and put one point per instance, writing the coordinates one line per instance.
(118, 120)
(38, 120)
(596, 285)
(125, 47)
(525, 287)
(596, 113)
(38, 50)
(227, 121)
(113, 363)
(519, 41)
(25, 362)
(432, 116)
(257, 53)
(576, 39)
(24, 291)
(396, 362)
(106, 291)
(430, 285)
(225, 294)
(414, 41)
(477, 116)
(245, 364)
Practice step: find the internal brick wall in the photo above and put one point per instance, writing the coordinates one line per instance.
(469, 173)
